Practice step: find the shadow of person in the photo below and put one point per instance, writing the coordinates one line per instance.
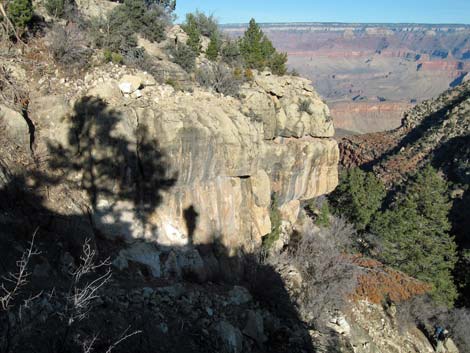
(190, 216)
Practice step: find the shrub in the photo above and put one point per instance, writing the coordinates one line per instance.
(20, 13)
(249, 76)
(59, 8)
(184, 56)
(110, 56)
(219, 78)
(117, 32)
(323, 219)
(173, 84)
(414, 234)
(154, 22)
(458, 323)
(168, 5)
(68, 47)
(294, 73)
(277, 63)
(304, 106)
(205, 25)
(230, 53)
(328, 275)
(319, 210)
(423, 312)
(275, 216)
(358, 197)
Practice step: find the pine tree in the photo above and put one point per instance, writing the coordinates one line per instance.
(414, 234)
(20, 13)
(213, 49)
(251, 46)
(193, 32)
(358, 197)
(258, 51)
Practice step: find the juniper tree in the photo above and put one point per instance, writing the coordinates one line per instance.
(414, 234)
(20, 12)
(358, 197)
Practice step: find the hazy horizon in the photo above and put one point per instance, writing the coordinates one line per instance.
(348, 23)
(435, 12)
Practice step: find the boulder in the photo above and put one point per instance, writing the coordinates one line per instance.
(254, 327)
(146, 79)
(176, 35)
(450, 346)
(15, 126)
(142, 253)
(230, 336)
(239, 295)
(204, 43)
(108, 91)
(95, 8)
(130, 83)
(51, 117)
(290, 211)
(151, 48)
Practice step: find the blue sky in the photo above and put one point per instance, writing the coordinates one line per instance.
(415, 11)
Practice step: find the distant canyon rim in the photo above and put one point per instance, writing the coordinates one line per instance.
(370, 74)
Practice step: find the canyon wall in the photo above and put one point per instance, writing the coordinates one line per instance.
(180, 168)
(363, 117)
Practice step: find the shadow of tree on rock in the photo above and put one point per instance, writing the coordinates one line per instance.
(117, 163)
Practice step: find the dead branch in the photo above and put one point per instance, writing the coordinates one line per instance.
(17, 279)
(124, 337)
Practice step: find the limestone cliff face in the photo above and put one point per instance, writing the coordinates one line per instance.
(224, 156)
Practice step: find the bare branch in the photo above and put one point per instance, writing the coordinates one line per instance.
(18, 279)
(80, 298)
(124, 337)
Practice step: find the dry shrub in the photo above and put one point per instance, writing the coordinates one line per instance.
(219, 78)
(11, 94)
(376, 283)
(459, 324)
(426, 314)
(68, 47)
(328, 275)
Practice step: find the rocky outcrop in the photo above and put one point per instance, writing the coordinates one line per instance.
(220, 158)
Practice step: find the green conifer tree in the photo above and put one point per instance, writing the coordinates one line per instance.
(414, 234)
(258, 51)
(214, 47)
(251, 46)
(358, 197)
(193, 32)
(20, 13)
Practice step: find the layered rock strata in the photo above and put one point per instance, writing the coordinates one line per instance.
(219, 159)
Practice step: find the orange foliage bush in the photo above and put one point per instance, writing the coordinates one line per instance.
(378, 282)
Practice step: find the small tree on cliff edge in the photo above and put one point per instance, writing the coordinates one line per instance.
(414, 234)
(258, 51)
